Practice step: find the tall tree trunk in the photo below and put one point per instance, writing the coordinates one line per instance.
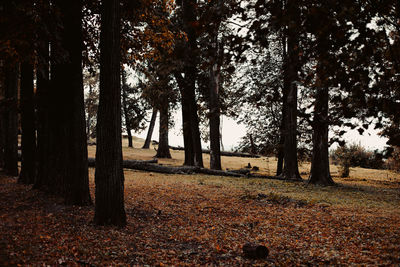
(125, 108)
(189, 18)
(163, 145)
(253, 149)
(187, 132)
(28, 137)
(220, 134)
(42, 180)
(2, 116)
(109, 176)
(291, 169)
(151, 129)
(214, 106)
(11, 120)
(187, 125)
(89, 115)
(67, 110)
(279, 163)
(182, 84)
(2, 137)
(191, 132)
(281, 152)
(198, 151)
(320, 172)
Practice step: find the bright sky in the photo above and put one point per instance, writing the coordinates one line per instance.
(370, 139)
(232, 133)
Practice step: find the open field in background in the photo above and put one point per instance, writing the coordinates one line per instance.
(267, 165)
(191, 220)
(366, 188)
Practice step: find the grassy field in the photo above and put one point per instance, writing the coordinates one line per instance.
(188, 220)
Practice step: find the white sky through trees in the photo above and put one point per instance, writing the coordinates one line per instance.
(232, 132)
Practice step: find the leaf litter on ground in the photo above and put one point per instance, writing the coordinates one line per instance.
(191, 220)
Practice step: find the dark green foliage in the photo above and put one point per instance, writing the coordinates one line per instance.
(356, 156)
(135, 106)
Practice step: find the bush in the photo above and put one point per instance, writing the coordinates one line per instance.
(356, 156)
(393, 162)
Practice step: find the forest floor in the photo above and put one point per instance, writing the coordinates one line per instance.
(205, 220)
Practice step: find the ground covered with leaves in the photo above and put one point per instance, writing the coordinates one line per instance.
(199, 220)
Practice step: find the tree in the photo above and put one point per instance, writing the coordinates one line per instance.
(44, 139)
(10, 40)
(291, 68)
(320, 171)
(161, 95)
(28, 136)
(68, 147)
(163, 145)
(134, 106)
(124, 86)
(259, 92)
(383, 97)
(280, 22)
(109, 176)
(43, 156)
(91, 103)
(187, 84)
(215, 56)
(151, 129)
(11, 119)
(2, 116)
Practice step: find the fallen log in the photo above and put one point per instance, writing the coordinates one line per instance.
(260, 176)
(241, 171)
(223, 153)
(128, 164)
(236, 154)
(151, 166)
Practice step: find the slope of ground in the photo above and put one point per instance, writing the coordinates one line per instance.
(198, 220)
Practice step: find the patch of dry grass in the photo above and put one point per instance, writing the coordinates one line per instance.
(365, 188)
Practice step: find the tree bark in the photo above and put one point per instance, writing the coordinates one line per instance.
(151, 129)
(163, 146)
(320, 172)
(281, 151)
(189, 104)
(2, 116)
(89, 116)
(187, 128)
(2, 138)
(291, 169)
(28, 137)
(215, 148)
(67, 113)
(109, 175)
(125, 108)
(42, 180)
(11, 120)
